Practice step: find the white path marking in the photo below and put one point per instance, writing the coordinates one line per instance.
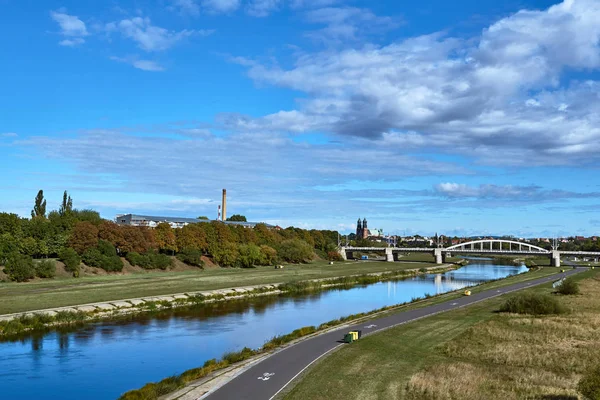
(266, 376)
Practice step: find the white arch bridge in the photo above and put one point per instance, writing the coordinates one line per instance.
(485, 246)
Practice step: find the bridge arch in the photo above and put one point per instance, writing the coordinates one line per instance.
(530, 247)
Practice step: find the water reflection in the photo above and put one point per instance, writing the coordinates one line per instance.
(106, 359)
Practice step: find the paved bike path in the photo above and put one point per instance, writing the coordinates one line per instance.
(266, 379)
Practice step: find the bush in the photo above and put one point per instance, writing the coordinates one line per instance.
(334, 256)
(112, 264)
(589, 385)
(19, 268)
(149, 260)
(138, 259)
(45, 269)
(92, 258)
(227, 254)
(95, 258)
(106, 248)
(568, 286)
(191, 257)
(71, 259)
(532, 303)
(295, 251)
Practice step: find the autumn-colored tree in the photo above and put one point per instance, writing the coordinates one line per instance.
(191, 237)
(133, 240)
(111, 232)
(165, 237)
(84, 237)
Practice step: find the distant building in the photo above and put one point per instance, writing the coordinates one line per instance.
(175, 222)
(362, 232)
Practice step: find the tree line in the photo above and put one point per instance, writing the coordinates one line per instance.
(76, 236)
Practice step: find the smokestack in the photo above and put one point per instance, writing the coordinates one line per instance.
(224, 205)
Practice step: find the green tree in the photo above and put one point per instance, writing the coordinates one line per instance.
(226, 255)
(249, 255)
(11, 224)
(8, 246)
(67, 205)
(203, 217)
(39, 208)
(237, 218)
(268, 255)
(19, 268)
(71, 260)
(295, 251)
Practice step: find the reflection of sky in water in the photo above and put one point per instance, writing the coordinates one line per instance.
(103, 360)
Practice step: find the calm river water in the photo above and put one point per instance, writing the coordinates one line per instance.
(103, 360)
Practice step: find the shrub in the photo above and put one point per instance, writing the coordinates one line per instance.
(106, 248)
(191, 257)
(295, 251)
(112, 264)
(19, 268)
(161, 261)
(70, 258)
(138, 259)
(568, 286)
(334, 256)
(589, 385)
(227, 254)
(93, 258)
(45, 269)
(532, 303)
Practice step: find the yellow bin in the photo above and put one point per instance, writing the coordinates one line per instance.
(467, 292)
(354, 335)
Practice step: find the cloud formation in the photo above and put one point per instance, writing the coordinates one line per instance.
(262, 8)
(71, 27)
(151, 38)
(498, 96)
(144, 65)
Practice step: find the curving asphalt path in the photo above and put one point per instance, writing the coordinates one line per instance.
(266, 379)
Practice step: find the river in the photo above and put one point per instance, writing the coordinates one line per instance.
(103, 360)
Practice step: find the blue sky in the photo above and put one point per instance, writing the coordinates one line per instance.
(467, 118)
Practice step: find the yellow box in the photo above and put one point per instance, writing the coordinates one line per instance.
(354, 335)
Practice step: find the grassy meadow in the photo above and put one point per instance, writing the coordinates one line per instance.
(18, 297)
(469, 353)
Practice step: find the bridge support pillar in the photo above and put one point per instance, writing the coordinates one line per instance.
(344, 254)
(389, 255)
(555, 258)
(440, 257)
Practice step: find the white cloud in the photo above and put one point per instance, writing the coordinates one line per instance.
(145, 65)
(454, 95)
(71, 27)
(150, 37)
(221, 6)
(262, 8)
(347, 23)
(8, 134)
(190, 7)
(493, 192)
(71, 42)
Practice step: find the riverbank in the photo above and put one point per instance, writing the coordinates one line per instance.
(21, 297)
(195, 389)
(18, 323)
(468, 353)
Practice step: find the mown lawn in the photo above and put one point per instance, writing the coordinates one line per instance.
(17, 297)
(469, 353)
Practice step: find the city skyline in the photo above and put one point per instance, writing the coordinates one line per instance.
(309, 113)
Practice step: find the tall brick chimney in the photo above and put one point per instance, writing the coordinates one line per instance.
(224, 201)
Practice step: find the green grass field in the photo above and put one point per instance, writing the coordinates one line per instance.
(18, 297)
(470, 353)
